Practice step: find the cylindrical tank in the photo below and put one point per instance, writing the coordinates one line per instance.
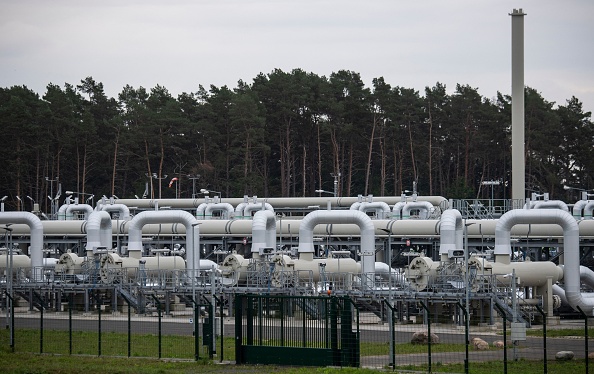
(112, 263)
(420, 271)
(528, 273)
(286, 266)
(18, 261)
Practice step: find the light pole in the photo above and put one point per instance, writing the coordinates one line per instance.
(193, 178)
(491, 183)
(54, 199)
(32, 203)
(584, 192)
(328, 192)
(336, 176)
(208, 192)
(155, 176)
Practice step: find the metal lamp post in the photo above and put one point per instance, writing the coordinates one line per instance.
(193, 178)
(328, 192)
(208, 192)
(53, 199)
(155, 176)
(336, 176)
(584, 192)
(491, 183)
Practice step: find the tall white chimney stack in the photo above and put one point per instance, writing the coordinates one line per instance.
(518, 159)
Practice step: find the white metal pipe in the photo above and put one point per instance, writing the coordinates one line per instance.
(84, 208)
(578, 208)
(451, 229)
(306, 230)
(588, 209)
(99, 230)
(252, 207)
(382, 209)
(277, 202)
(123, 210)
(551, 204)
(482, 229)
(219, 207)
(36, 230)
(167, 216)
(571, 270)
(263, 231)
(62, 212)
(425, 209)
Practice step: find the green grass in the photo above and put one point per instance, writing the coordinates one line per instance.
(513, 367)
(179, 356)
(553, 333)
(112, 344)
(21, 363)
(176, 347)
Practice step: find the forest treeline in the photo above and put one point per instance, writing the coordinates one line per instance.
(284, 134)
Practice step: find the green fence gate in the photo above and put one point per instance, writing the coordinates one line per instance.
(296, 330)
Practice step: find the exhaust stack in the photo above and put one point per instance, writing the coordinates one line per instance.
(518, 160)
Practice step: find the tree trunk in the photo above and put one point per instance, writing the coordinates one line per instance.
(115, 161)
(368, 167)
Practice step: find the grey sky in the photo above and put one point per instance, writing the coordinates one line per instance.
(180, 44)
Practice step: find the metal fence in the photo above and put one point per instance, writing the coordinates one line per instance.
(392, 335)
(101, 331)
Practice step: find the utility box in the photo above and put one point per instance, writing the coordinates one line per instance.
(518, 331)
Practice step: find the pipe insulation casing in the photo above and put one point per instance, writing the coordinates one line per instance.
(167, 216)
(451, 231)
(263, 231)
(285, 265)
(153, 266)
(528, 273)
(367, 230)
(36, 232)
(276, 202)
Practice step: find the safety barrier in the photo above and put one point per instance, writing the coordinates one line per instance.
(319, 330)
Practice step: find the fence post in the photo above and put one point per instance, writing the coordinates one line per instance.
(392, 334)
(159, 322)
(334, 330)
(428, 334)
(466, 337)
(99, 302)
(70, 307)
(11, 311)
(41, 307)
(196, 336)
(544, 337)
(503, 315)
(585, 336)
(221, 309)
(238, 328)
(129, 328)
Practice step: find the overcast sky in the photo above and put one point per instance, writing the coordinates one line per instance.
(180, 44)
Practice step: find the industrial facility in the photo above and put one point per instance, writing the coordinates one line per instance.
(397, 249)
